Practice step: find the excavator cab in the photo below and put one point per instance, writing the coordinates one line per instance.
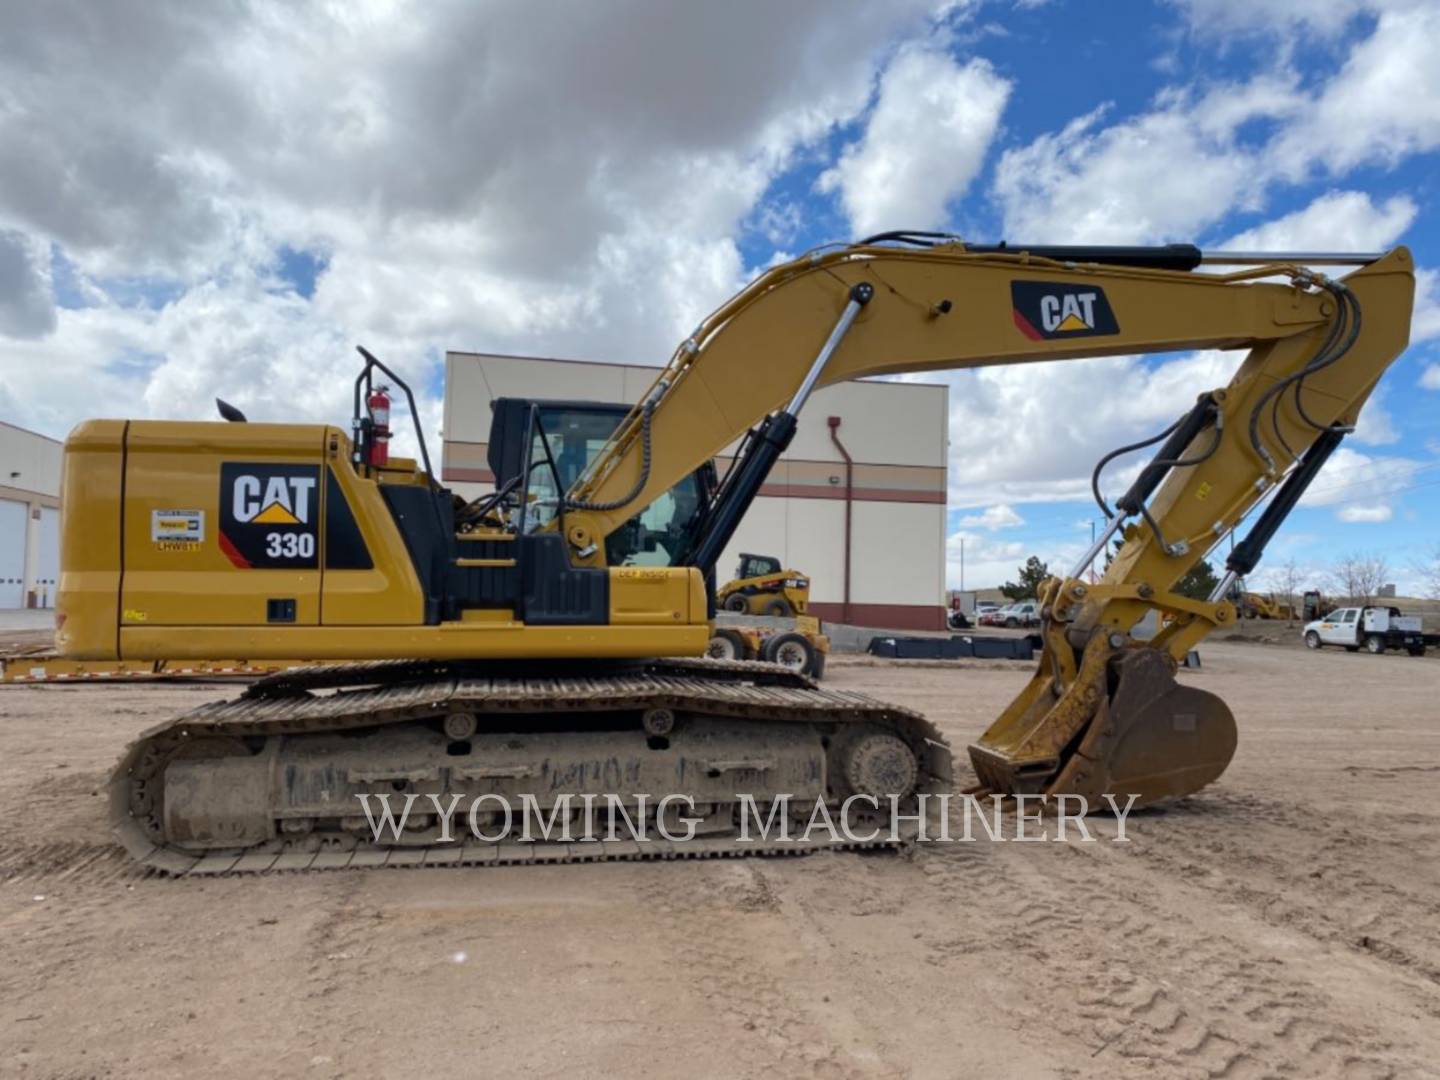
(537, 451)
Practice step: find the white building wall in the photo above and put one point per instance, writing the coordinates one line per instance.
(29, 518)
(895, 432)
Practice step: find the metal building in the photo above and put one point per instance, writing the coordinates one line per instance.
(29, 518)
(886, 569)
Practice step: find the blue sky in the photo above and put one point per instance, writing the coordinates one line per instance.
(225, 201)
(1064, 60)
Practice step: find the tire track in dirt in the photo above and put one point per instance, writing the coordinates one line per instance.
(68, 862)
(1269, 857)
(702, 917)
(1130, 974)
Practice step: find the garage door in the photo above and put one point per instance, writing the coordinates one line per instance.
(12, 553)
(47, 557)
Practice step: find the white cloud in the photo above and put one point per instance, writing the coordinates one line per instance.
(1016, 435)
(461, 194)
(977, 561)
(1221, 18)
(26, 309)
(1365, 513)
(1382, 106)
(1376, 427)
(1189, 161)
(924, 142)
(989, 562)
(1165, 174)
(1360, 486)
(1430, 377)
(1336, 221)
(1426, 322)
(1174, 170)
(994, 517)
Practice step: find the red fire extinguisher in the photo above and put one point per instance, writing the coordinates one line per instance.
(379, 405)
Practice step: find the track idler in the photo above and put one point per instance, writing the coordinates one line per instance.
(1122, 727)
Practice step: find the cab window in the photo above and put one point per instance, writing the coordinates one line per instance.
(659, 535)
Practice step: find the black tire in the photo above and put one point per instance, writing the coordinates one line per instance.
(726, 645)
(957, 621)
(736, 602)
(1312, 639)
(779, 608)
(817, 669)
(790, 650)
(1012, 622)
(1374, 644)
(1415, 650)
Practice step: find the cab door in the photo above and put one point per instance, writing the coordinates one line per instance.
(1339, 627)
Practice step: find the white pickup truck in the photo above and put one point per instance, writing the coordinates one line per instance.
(1374, 629)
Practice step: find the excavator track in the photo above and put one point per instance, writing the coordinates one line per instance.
(268, 781)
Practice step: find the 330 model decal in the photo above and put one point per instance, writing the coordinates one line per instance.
(269, 515)
(1046, 311)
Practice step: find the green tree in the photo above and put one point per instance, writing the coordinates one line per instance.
(1199, 583)
(1031, 575)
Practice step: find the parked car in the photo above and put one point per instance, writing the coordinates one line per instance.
(1373, 628)
(1023, 613)
(959, 620)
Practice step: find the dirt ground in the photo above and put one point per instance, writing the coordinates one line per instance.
(1286, 922)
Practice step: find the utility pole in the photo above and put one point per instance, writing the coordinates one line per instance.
(962, 564)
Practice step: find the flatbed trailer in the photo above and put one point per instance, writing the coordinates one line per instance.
(50, 668)
(45, 667)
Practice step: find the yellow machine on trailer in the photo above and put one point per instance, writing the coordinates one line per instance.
(1254, 605)
(534, 638)
(762, 587)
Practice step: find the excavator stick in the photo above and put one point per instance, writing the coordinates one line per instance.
(1104, 715)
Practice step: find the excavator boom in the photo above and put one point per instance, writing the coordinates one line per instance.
(1103, 714)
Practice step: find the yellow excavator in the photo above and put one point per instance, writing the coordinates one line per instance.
(547, 639)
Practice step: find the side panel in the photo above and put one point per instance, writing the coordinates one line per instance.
(448, 641)
(222, 524)
(387, 592)
(90, 493)
(656, 596)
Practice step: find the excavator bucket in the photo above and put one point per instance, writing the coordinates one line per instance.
(1123, 727)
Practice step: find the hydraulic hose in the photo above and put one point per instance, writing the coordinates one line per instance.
(634, 493)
